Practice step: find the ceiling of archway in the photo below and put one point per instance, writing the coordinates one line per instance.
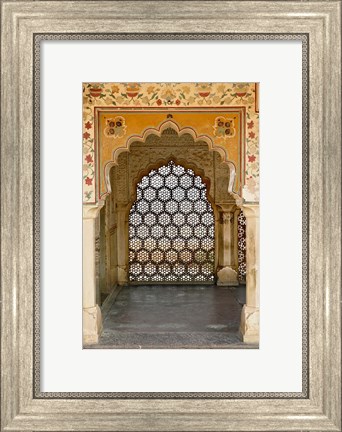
(224, 114)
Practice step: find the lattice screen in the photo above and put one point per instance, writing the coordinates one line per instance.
(171, 228)
(242, 247)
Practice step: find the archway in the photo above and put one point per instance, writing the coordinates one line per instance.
(171, 228)
(152, 154)
(135, 163)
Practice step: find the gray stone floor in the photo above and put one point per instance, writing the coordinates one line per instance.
(174, 316)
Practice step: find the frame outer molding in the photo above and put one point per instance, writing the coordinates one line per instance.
(322, 410)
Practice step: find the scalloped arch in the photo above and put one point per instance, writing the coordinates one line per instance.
(180, 131)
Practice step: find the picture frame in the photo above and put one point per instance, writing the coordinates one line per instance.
(318, 407)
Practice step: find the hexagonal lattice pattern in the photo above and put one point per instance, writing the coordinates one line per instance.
(242, 247)
(171, 228)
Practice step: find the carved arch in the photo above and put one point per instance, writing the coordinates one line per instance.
(180, 131)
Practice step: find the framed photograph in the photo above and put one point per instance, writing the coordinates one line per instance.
(170, 216)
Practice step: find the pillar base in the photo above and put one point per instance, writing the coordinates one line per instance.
(227, 277)
(122, 276)
(92, 325)
(249, 326)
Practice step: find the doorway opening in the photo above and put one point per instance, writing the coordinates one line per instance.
(171, 228)
(173, 248)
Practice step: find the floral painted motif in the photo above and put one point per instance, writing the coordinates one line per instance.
(224, 128)
(243, 93)
(251, 188)
(132, 90)
(204, 90)
(177, 95)
(116, 127)
(88, 152)
(168, 95)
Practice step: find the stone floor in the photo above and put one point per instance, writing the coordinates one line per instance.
(174, 316)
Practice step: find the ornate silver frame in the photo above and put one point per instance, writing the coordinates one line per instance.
(23, 406)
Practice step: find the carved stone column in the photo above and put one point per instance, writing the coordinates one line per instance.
(122, 244)
(92, 320)
(249, 326)
(227, 274)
